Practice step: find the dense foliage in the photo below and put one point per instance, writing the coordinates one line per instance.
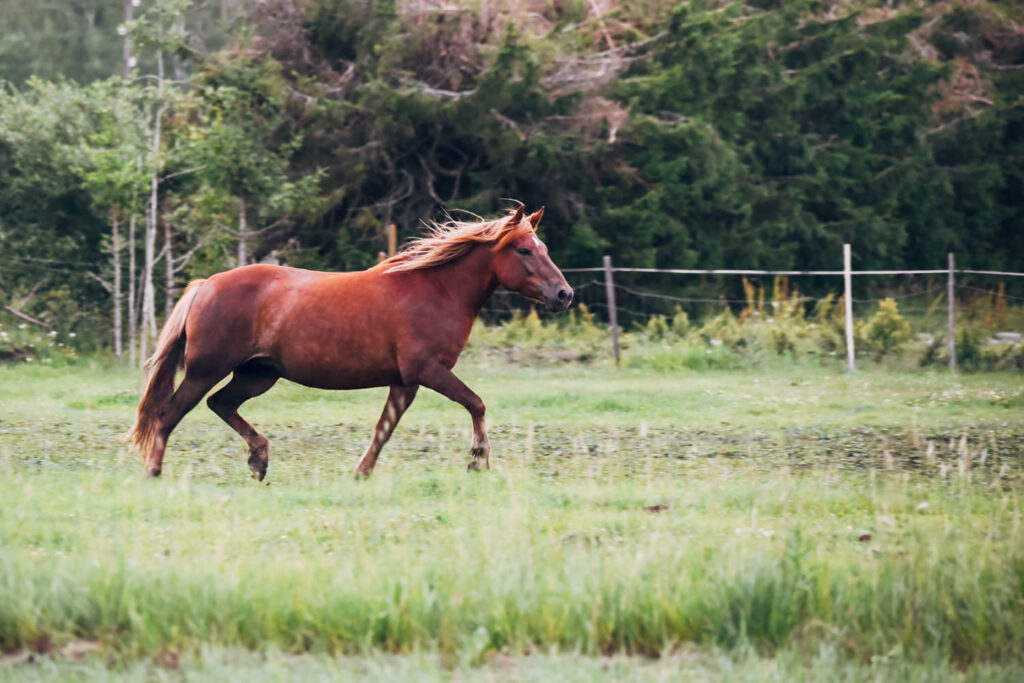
(689, 134)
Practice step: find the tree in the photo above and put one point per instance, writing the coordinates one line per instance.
(244, 149)
(107, 162)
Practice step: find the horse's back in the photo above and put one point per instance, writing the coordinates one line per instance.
(331, 330)
(227, 320)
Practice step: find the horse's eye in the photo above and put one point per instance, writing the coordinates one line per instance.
(523, 250)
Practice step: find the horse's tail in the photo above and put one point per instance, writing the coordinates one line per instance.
(168, 356)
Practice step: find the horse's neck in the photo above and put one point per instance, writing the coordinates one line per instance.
(469, 279)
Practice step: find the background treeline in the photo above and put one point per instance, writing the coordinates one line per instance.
(141, 146)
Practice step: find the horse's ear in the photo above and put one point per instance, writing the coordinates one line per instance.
(518, 216)
(535, 217)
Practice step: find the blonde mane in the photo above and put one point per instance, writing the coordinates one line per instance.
(447, 241)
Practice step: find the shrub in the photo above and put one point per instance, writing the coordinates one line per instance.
(887, 330)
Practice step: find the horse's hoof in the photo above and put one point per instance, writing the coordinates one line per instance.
(480, 460)
(258, 467)
(259, 459)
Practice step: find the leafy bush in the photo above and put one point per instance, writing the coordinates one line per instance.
(528, 339)
(975, 352)
(887, 330)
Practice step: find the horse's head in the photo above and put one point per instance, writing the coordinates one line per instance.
(522, 265)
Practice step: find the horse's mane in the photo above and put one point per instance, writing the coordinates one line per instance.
(447, 241)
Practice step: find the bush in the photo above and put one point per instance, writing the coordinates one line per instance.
(887, 330)
(529, 339)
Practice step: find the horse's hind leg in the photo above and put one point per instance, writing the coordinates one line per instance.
(248, 382)
(399, 399)
(192, 388)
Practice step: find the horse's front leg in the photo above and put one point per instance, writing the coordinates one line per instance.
(442, 380)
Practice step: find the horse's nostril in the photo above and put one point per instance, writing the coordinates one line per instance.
(563, 294)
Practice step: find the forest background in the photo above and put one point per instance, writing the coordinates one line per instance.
(147, 142)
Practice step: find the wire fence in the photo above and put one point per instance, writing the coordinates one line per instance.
(634, 304)
(640, 303)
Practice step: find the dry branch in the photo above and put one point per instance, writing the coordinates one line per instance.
(26, 317)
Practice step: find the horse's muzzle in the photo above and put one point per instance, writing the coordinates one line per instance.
(558, 298)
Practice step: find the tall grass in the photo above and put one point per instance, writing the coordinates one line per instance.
(427, 562)
(784, 513)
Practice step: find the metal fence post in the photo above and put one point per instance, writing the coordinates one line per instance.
(848, 300)
(613, 314)
(951, 313)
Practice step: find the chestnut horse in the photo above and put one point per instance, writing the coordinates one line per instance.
(401, 324)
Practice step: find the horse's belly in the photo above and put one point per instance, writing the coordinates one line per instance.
(343, 377)
(340, 364)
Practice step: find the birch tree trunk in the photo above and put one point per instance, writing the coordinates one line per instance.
(126, 50)
(169, 268)
(148, 329)
(133, 315)
(115, 254)
(243, 234)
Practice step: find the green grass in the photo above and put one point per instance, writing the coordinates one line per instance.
(771, 523)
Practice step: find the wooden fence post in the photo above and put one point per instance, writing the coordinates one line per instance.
(613, 314)
(392, 239)
(848, 300)
(951, 313)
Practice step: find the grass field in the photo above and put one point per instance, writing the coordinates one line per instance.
(781, 523)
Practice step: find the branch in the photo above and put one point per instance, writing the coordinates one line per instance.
(106, 285)
(179, 263)
(509, 123)
(425, 89)
(178, 173)
(430, 181)
(249, 233)
(1002, 67)
(954, 122)
(267, 228)
(160, 254)
(27, 318)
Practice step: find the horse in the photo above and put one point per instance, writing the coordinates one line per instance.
(402, 324)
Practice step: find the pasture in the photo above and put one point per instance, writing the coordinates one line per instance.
(774, 523)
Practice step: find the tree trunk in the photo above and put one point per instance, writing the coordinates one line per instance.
(243, 234)
(126, 50)
(115, 253)
(133, 315)
(148, 329)
(169, 268)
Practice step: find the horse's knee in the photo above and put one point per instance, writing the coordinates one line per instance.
(216, 403)
(477, 408)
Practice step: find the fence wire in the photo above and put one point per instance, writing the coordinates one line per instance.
(637, 304)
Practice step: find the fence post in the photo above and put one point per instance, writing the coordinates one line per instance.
(848, 300)
(392, 239)
(613, 314)
(951, 313)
